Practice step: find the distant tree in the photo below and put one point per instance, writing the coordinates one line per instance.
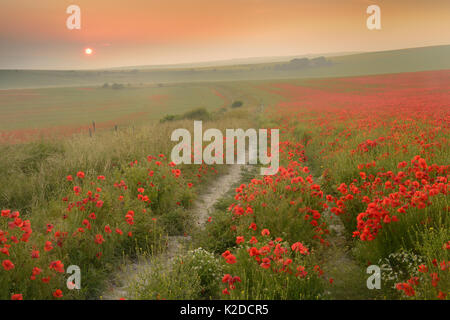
(105, 85)
(117, 86)
(237, 104)
(197, 114)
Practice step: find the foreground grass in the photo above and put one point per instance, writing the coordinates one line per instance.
(91, 201)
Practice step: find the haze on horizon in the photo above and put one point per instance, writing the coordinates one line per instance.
(33, 34)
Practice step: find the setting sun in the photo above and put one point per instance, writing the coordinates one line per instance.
(88, 51)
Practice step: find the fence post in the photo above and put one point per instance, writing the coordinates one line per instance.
(93, 125)
(90, 133)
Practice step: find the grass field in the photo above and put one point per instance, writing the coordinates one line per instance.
(404, 60)
(31, 112)
(363, 180)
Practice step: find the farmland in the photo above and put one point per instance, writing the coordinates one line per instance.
(363, 181)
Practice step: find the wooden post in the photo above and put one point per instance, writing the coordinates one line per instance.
(93, 125)
(90, 132)
(115, 127)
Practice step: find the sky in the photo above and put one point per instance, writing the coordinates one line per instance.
(33, 33)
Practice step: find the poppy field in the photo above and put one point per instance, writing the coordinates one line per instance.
(363, 181)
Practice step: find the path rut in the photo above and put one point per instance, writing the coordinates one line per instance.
(201, 210)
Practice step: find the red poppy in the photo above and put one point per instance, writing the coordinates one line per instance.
(265, 263)
(48, 246)
(99, 239)
(7, 265)
(58, 293)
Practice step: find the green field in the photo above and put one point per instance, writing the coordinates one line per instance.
(405, 60)
(112, 199)
(63, 102)
(41, 108)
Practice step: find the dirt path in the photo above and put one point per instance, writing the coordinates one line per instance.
(201, 210)
(339, 263)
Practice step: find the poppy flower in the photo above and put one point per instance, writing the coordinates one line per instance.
(299, 247)
(239, 239)
(265, 263)
(17, 296)
(7, 265)
(252, 226)
(48, 246)
(253, 240)
(423, 268)
(301, 272)
(99, 239)
(57, 266)
(57, 293)
(35, 254)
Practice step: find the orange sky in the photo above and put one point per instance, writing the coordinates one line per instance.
(33, 33)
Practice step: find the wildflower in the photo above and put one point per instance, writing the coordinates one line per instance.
(76, 190)
(17, 296)
(406, 288)
(230, 259)
(253, 240)
(58, 293)
(442, 295)
(99, 239)
(239, 239)
(265, 263)
(423, 268)
(57, 266)
(45, 280)
(7, 265)
(48, 246)
(299, 247)
(301, 272)
(35, 254)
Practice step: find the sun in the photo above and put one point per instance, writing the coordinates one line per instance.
(88, 51)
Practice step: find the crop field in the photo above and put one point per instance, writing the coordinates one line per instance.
(363, 181)
(31, 113)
